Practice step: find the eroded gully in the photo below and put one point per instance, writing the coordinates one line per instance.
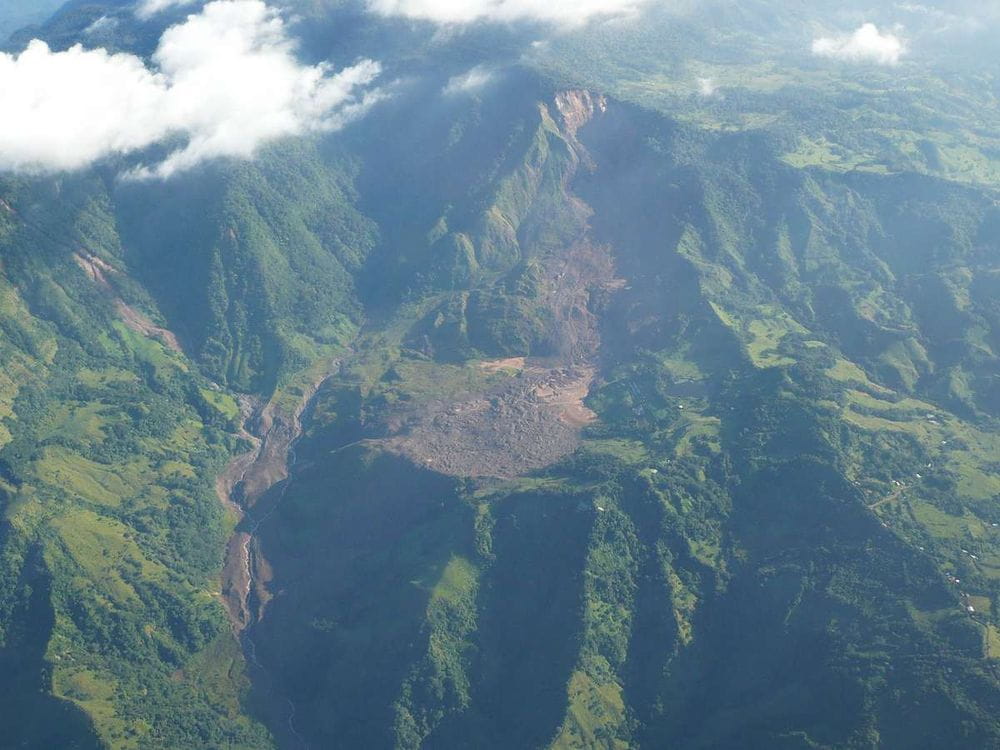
(254, 485)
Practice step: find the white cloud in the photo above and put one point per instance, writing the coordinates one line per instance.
(867, 44)
(473, 80)
(707, 87)
(561, 12)
(104, 23)
(224, 82)
(149, 8)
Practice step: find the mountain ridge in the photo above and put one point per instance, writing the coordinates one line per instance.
(584, 411)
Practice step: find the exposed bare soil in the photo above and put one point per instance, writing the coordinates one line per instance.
(99, 271)
(242, 485)
(141, 324)
(523, 423)
(519, 426)
(535, 418)
(503, 365)
(237, 468)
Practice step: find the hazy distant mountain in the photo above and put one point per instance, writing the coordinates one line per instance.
(16, 14)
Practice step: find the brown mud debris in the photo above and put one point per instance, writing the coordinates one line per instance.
(242, 487)
(535, 417)
(99, 272)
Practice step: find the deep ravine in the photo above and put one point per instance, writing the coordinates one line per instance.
(245, 486)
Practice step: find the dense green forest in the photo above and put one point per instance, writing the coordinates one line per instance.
(632, 416)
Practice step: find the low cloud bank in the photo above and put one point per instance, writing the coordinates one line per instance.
(223, 83)
(866, 45)
(707, 87)
(148, 8)
(469, 82)
(561, 12)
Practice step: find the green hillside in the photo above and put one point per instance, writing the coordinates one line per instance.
(756, 542)
(111, 527)
(578, 408)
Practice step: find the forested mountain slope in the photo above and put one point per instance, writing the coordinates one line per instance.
(757, 540)
(549, 405)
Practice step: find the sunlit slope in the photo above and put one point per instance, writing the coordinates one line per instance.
(111, 527)
(747, 66)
